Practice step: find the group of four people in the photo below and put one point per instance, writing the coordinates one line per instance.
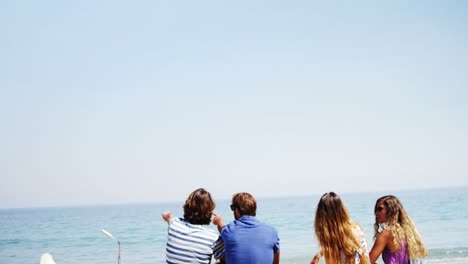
(247, 240)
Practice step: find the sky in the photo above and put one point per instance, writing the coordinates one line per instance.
(109, 102)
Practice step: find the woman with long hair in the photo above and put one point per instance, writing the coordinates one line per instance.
(395, 234)
(341, 239)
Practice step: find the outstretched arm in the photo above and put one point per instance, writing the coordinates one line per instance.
(168, 216)
(218, 221)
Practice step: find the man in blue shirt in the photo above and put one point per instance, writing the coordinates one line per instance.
(247, 240)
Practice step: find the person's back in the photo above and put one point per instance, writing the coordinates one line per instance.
(398, 257)
(188, 241)
(341, 240)
(248, 240)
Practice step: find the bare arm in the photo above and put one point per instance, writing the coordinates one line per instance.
(379, 245)
(167, 216)
(218, 221)
(276, 258)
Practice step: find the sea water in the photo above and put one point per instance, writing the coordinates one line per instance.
(73, 234)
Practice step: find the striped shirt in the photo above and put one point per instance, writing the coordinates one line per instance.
(187, 243)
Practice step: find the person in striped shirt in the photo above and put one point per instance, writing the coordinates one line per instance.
(188, 240)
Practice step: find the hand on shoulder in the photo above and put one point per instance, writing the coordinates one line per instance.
(218, 221)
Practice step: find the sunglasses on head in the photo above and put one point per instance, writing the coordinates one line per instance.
(379, 208)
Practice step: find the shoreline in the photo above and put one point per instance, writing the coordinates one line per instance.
(457, 255)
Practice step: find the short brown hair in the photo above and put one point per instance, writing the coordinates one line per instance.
(199, 207)
(245, 203)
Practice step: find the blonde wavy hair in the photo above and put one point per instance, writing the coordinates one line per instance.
(334, 231)
(401, 227)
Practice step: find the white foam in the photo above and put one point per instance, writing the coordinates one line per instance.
(447, 260)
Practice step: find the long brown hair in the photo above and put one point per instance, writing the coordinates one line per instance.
(334, 231)
(401, 227)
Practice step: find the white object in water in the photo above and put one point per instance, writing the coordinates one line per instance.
(118, 243)
(46, 258)
(107, 233)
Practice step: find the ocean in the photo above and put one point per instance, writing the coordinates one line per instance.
(73, 234)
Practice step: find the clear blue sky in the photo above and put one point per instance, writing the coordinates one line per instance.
(145, 101)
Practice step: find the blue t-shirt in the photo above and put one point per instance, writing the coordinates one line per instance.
(247, 240)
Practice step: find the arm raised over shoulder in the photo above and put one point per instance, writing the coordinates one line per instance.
(218, 222)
